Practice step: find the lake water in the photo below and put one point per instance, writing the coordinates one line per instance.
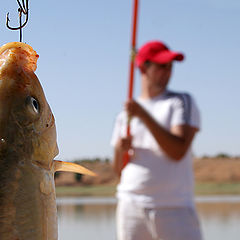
(94, 218)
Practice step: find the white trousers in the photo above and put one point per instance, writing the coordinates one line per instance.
(136, 223)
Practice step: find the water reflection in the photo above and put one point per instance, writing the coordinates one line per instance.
(86, 222)
(220, 220)
(94, 218)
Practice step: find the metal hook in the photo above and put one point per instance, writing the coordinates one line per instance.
(23, 9)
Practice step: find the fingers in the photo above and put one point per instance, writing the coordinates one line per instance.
(124, 144)
(132, 108)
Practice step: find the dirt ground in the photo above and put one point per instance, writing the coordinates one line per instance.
(205, 170)
(217, 169)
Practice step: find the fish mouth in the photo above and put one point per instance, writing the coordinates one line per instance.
(44, 158)
(48, 167)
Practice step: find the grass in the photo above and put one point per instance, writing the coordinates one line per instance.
(94, 191)
(201, 188)
(211, 188)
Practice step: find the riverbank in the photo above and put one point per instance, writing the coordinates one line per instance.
(213, 176)
(201, 188)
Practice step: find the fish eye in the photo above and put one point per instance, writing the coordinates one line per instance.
(32, 104)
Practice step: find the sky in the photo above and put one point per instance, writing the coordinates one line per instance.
(84, 63)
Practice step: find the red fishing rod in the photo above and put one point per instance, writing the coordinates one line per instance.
(126, 156)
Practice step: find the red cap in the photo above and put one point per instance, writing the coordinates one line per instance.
(158, 52)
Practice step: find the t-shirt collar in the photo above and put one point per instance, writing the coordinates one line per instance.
(153, 99)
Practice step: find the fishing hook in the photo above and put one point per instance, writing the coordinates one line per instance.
(23, 9)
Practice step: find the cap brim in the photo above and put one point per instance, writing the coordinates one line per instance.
(167, 56)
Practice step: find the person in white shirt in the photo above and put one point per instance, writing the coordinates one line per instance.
(155, 193)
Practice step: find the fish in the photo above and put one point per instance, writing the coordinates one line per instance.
(28, 147)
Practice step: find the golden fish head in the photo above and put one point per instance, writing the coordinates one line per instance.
(27, 125)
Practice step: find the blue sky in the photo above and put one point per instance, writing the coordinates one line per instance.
(84, 57)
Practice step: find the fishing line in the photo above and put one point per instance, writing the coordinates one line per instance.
(22, 10)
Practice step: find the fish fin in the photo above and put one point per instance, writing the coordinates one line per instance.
(71, 167)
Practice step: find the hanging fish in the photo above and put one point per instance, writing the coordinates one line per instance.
(27, 149)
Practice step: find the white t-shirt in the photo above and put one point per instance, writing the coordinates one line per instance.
(152, 179)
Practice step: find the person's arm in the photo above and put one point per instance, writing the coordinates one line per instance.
(122, 146)
(174, 143)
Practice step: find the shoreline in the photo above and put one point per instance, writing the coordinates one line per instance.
(84, 200)
(201, 189)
